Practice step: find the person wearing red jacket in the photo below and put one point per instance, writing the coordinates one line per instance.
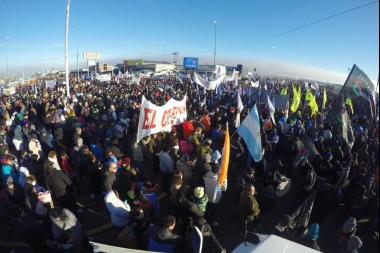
(207, 123)
(187, 127)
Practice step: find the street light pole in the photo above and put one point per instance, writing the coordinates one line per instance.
(67, 49)
(77, 52)
(6, 55)
(215, 44)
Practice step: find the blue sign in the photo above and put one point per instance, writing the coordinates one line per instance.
(190, 63)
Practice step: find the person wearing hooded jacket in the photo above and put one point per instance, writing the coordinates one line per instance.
(119, 210)
(210, 181)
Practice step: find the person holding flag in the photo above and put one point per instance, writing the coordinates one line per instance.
(215, 181)
(214, 193)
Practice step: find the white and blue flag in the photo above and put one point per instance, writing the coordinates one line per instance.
(249, 130)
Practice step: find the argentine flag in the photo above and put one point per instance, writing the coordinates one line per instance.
(249, 130)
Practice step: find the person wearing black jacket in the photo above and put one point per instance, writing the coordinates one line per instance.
(60, 186)
(36, 168)
(163, 235)
(282, 228)
(187, 209)
(95, 175)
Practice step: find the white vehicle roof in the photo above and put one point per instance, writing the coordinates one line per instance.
(273, 244)
(100, 248)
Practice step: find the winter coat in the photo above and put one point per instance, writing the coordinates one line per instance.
(248, 208)
(70, 223)
(188, 209)
(186, 148)
(58, 182)
(118, 209)
(162, 236)
(201, 203)
(187, 129)
(67, 166)
(108, 180)
(186, 171)
(210, 181)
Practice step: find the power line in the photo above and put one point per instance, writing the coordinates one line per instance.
(300, 27)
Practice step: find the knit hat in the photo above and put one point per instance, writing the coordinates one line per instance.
(199, 192)
(80, 141)
(43, 130)
(207, 158)
(354, 243)
(349, 226)
(10, 180)
(313, 231)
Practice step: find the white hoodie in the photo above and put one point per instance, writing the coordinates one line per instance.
(211, 180)
(118, 209)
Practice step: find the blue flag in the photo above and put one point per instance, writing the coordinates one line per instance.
(249, 130)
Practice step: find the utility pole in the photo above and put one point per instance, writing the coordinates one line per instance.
(77, 53)
(66, 48)
(214, 44)
(6, 55)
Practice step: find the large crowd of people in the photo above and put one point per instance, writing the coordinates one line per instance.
(54, 148)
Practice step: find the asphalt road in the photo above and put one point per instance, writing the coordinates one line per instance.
(230, 232)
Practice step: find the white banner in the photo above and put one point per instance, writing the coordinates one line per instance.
(154, 119)
(208, 85)
(255, 84)
(104, 78)
(136, 79)
(50, 83)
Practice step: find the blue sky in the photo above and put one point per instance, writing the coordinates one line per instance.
(154, 29)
